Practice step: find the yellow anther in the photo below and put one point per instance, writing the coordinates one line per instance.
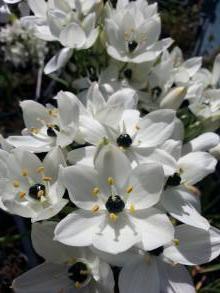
(24, 173)
(35, 130)
(113, 217)
(176, 242)
(40, 193)
(40, 169)
(129, 189)
(132, 209)
(95, 209)
(47, 178)
(95, 191)
(21, 194)
(43, 199)
(137, 127)
(192, 189)
(53, 112)
(110, 181)
(16, 183)
(77, 285)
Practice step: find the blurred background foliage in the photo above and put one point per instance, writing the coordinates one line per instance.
(188, 23)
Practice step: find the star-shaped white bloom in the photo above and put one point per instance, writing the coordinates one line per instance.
(116, 205)
(66, 269)
(133, 30)
(32, 188)
(47, 126)
(162, 269)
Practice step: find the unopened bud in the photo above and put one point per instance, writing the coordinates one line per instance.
(174, 98)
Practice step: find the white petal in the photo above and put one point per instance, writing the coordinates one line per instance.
(33, 112)
(129, 121)
(78, 228)
(196, 246)
(52, 251)
(195, 166)
(111, 162)
(216, 71)
(174, 200)
(155, 227)
(92, 130)
(39, 7)
(146, 191)
(50, 211)
(156, 127)
(83, 156)
(116, 237)
(45, 278)
(174, 279)
(30, 143)
(80, 181)
(72, 36)
(68, 110)
(140, 276)
(203, 142)
(58, 61)
(52, 162)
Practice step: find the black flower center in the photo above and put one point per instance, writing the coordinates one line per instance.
(78, 272)
(128, 73)
(37, 190)
(132, 45)
(174, 180)
(51, 130)
(157, 251)
(156, 92)
(115, 204)
(124, 140)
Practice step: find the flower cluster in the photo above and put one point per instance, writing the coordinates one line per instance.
(19, 46)
(120, 152)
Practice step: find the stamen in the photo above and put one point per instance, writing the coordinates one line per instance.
(16, 183)
(137, 127)
(95, 209)
(34, 130)
(40, 169)
(110, 181)
(95, 191)
(132, 209)
(176, 242)
(193, 189)
(24, 173)
(40, 193)
(21, 194)
(77, 285)
(129, 189)
(47, 178)
(113, 217)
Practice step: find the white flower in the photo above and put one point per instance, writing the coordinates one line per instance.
(194, 246)
(64, 21)
(133, 30)
(138, 137)
(33, 189)
(162, 269)
(47, 127)
(115, 205)
(66, 269)
(207, 108)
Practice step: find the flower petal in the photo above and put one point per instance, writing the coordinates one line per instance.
(78, 228)
(145, 190)
(196, 246)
